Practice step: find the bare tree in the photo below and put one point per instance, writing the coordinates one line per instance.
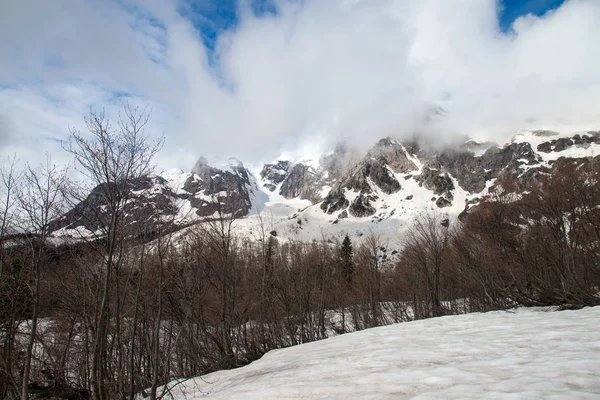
(41, 200)
(9, 179)
(370, 263)
(111, 158)
(163, 248)
(425, 253)
(9, 185)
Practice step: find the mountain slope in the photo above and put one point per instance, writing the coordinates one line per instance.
(524, 353)
(326, 196)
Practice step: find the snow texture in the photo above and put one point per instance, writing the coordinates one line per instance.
(520, 354)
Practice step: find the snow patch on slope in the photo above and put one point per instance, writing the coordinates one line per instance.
(525, 353)
(536, 138)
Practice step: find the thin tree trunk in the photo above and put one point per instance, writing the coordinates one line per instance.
(156, 342)
(98, 389)
(32, 333)
(134, 328)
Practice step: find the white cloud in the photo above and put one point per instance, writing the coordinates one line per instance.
(319, 70)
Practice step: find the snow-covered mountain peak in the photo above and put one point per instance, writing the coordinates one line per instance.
(232, 164)
(344, 192)
(200, 165)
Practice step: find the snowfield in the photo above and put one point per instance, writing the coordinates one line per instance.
(519, 354)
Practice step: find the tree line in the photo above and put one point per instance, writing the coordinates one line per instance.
(125, 311)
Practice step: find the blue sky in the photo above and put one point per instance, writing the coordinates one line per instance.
(512, 9)
(221, 15)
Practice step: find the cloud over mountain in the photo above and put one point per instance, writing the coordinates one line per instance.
(303, 71)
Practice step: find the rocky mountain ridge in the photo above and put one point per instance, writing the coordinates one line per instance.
(338, 193)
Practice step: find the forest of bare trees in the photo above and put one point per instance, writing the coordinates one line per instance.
(121, 314)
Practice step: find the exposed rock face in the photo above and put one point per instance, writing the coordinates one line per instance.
(391, 153)
(562, 144)
(274, 174)
(376, 172)
(209, 190)
(473, 172)
(212, 190)
(300, 183)
(93, 213)
(468, 170)
(305, 181)
(373, 168)
(338, 171)
(335, 200)
(439, 183)
(361, 206)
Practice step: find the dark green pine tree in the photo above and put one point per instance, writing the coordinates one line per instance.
(347, 264)
(271, 243)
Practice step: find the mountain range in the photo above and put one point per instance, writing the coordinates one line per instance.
(341, 192)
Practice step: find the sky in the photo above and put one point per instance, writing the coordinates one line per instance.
(253, 78)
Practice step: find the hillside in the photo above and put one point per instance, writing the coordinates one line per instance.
(522, 353)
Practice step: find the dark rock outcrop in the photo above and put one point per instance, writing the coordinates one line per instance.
(214, 190)
(361, 206)
(304, 181)
(147, 198)
(391, 153)
(335, 201)
(562, 144)
(152, 201)
(376, 172)
(375, 168)
(443, 202)
(439, 183)
(274, 174)
(300, 182)
(473, 172)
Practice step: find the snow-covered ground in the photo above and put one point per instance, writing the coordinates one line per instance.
(522, 354)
